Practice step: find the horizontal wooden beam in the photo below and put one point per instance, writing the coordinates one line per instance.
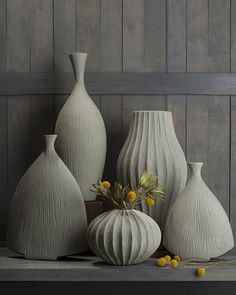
(120, 83)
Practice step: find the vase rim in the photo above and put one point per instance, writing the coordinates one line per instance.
(195, 163)
(78, 53)
(151, 111)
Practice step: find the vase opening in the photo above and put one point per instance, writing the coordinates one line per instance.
(78, 61)
(50, 141)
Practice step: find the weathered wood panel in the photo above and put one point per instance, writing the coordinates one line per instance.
(111, 61)
(233, 167)
(3, 35)
(233, 35)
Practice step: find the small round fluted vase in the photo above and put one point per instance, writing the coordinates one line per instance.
(197, 225)
(47, 216)
(81, 133)
(124, 237)
(153, 146)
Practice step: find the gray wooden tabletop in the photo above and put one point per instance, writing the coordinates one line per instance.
(88, 268)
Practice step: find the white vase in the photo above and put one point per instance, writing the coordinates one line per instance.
(47, 217)
(197, 225)
(81, 133)
(123, 237)
(153, 146)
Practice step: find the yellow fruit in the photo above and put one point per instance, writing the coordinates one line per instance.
(150, 201)
(106, 184)
(161, 261)
(132, 195)
(201, 272)
(168, 259)
(174, 263)
(177, 258)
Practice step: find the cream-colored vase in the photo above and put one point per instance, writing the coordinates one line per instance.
(197, 225)
(123, 237)
(81, 133)
(153, 146)
(47, 217)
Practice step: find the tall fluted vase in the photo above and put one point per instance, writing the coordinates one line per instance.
(81, 133)
(47, 216)
(153, 146)
(197, 225)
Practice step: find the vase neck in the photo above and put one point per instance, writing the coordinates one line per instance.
(195, 168)
(50, 141)
(78, 61)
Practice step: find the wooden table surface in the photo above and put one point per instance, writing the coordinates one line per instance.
(14, 268)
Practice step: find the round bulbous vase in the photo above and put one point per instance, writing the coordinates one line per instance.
(152, 145)
(197, 225)
(47, 216)
(124, 237)
(81, 133)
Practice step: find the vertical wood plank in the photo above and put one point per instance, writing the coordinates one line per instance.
(176, 35)
(233, 168)
(41, 36)
(3, 168)
(89, 33)
(18, 60)
(3, 31)
(197, 36)
(176, 62)
(3, 126)
(18, 35)
(111, 60)
(233, 36)
(41, 107)
(219, 35)
(208, 129)
(64, 34)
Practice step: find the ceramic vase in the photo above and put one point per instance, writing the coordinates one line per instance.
(197, 225)
(153, 146)
(81, 133)
(47, 217)
(124, 237)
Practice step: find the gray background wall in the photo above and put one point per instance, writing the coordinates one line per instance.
(171, 36)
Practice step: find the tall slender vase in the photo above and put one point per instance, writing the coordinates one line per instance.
(197, 225)
(153, 146)
(81, 133)
(47, 217)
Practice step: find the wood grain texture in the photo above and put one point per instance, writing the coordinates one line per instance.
(233, 35)
(233, 167)
(219, 35)
(208, 137)
(41, 35)
(197, 36)
(3, 35)
(64, 34)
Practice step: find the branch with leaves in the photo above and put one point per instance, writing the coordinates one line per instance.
(122, 197)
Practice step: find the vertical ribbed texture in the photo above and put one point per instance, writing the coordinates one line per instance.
(81, 133)
(152, 145)
(124, 237)
(197, 225)
(47, 216)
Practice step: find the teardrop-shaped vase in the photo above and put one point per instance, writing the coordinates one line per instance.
(197, 225)
(47, 217)
(153, 146)
(81, 133)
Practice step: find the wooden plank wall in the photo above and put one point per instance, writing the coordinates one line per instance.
(175, 36)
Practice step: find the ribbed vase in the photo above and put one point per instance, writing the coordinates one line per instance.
(81, 133)
(47, 217)
(197, 225)
(153, 146)
(123, 237)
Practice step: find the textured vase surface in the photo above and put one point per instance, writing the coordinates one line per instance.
(197, 225)
(81, 133)
(47, 216)
(123, 237)
(153, 146)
